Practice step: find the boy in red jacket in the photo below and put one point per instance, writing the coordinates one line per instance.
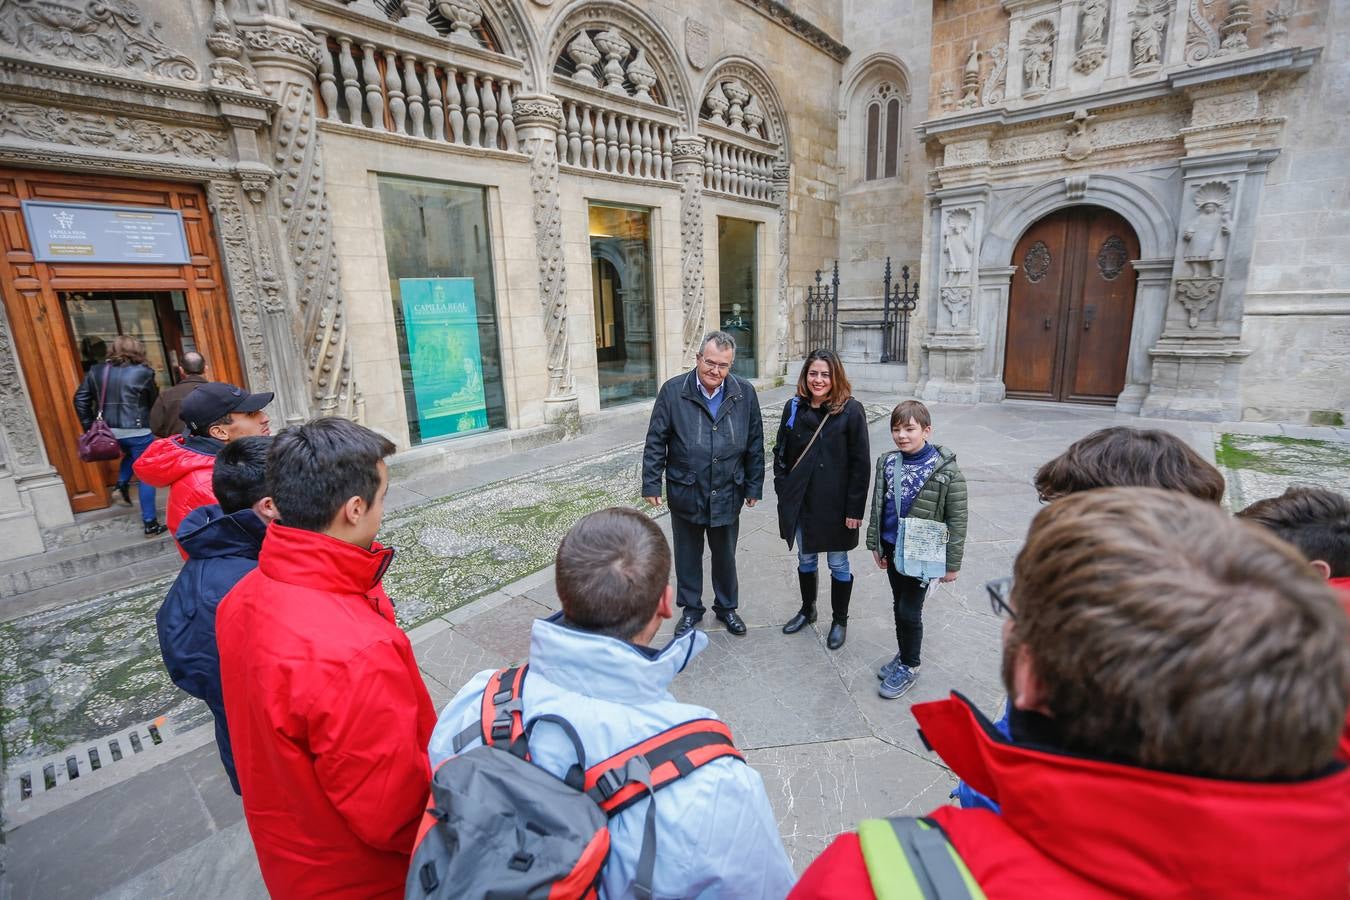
(328, 715)
(1178, 683)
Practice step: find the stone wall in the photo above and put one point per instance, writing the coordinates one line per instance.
(956, 27)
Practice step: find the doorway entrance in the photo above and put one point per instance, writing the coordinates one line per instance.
(621, 286)
(65, 314)
(738, 286)
(1070, 307)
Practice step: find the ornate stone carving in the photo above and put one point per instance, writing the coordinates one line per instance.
(1091, 36)
(111, 33)
(643, 76)
(1195, 295)
(1277, 23)
(537, 120)
(1202, 41)
(1038, 57)
(1079, 145)
(697, 43)
(282, 43)
(781, 183)
(584, 56)
(16, 416)
(955, 299)
(228, 70)
(1112, 257)
(754, 117)
(634, 31)
(996, 83)
(1206, 237)
(1122, 132)
(242, 269)
(970, 81)
(46, 124)
(1225, 108)
(956, 245)
(1075, 187)
(616, 49)
(1037, 262)
(717, 104)
(1235, 26)
(688, 168)
(1148, 33)
(1038, 145)
(464, 16)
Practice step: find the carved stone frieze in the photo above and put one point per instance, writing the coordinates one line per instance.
(1225, 108)
(1037, 145)
(955, 299)
(1138, 129)
(1195, 296)
(241, 268)
(16, 415)
(282, 43)
(688, 169)
(781, 183)
(1202, 39)
(111, 33)
(50, 125)
(996, 82)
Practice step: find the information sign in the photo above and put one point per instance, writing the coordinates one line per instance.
(98, 233)
(440, 318)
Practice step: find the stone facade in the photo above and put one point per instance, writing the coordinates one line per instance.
(1195, 122)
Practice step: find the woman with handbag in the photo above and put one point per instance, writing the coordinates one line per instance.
(821, 471)
(117, 395)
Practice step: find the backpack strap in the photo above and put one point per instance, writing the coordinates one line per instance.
(911, 859)
(500, 719)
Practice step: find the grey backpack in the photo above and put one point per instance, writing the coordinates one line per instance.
(498, 826)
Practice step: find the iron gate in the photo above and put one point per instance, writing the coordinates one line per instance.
(898, 301)
(822, 312)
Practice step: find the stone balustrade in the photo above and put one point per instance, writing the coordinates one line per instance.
(730, 168)
(602, 139)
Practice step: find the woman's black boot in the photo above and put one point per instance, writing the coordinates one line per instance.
(807, 614)
(840, 591)
(124, 489)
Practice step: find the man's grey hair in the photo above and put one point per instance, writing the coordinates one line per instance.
(723, 341)
(193, 363)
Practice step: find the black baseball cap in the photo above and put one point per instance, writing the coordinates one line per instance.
(215, 400)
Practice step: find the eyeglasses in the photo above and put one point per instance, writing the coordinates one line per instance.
(999, 590)
(715, 367)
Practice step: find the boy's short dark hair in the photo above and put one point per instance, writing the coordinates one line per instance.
(316, 467)
(1169, 635)
(239, 478)
(911, 409)
(610, 571)
(1129, 457)
(1315, 520)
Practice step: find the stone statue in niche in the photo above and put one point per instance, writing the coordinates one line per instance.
(1206, 238)
(956, 246)
(1038, 54)
(1147, 33)
(1094, 22)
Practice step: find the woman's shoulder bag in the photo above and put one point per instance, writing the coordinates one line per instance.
(99, 443)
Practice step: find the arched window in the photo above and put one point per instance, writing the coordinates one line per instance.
(881, 141)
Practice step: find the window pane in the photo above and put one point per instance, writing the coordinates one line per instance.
(873, 127)
(440, 276)
(738, 285)
(892, 136)
(622, 284)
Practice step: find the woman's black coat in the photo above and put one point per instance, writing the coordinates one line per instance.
(830, 484)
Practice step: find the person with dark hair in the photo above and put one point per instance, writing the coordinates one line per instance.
(329, 717)
(122, 391)
(706, 441)
(592, 666)
(820, 469)
(1121, 456)
(1316, 521)
(1179, 680)
(215, 413)
(165, 418)
(222, 543)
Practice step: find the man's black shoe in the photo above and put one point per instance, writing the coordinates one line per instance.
(688, 619)
(734, 623)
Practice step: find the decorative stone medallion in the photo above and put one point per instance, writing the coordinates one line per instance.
(697, 43)
(1111, 258)
(1037, 262)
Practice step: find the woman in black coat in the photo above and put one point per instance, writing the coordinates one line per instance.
(822, 484)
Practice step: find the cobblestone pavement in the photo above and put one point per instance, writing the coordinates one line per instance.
(163, 822)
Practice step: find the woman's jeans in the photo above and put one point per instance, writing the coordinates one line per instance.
(907, 595)
(836, 559)
(132, 448)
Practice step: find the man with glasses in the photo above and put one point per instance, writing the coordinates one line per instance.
(706, 439)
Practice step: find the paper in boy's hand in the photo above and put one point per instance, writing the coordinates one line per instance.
(924, 551)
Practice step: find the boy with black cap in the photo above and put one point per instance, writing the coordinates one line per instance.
(215, 414)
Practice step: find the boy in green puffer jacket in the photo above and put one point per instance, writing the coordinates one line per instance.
(920, 480)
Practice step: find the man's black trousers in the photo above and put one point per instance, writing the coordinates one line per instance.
(688, 539)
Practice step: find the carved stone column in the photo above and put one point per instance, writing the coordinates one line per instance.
(538, 118)
(954, 342)
(782, 181)
(304, 322)
(688, 171)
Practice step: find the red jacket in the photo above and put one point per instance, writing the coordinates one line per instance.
(1342, 588)
(1078, 828)
(184, 465)
(328, 716)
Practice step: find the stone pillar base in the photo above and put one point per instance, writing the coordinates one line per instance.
(564, 413)
(18, 523)
(1195, 378)
(953, 369)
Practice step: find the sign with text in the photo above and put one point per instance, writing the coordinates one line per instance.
(440, 319)
(97, 233)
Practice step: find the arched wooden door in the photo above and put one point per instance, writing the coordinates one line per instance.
(1071, 307)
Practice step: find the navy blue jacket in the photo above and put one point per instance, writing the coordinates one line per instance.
(220, 550)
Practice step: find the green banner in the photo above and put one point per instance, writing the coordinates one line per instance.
(440, 318)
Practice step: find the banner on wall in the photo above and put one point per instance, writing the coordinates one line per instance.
(440, 318)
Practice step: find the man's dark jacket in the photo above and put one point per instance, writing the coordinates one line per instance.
(710, 465)
(164, 415)
(221, 549)
(126, 404)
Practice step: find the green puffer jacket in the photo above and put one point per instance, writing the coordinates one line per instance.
(942, 498)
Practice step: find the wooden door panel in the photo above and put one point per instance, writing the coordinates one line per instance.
(1101, 345)
(1035, 314)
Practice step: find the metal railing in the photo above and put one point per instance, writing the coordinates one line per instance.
(898, 300)
(822, 311)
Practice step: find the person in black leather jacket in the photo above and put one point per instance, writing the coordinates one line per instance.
(126, 402)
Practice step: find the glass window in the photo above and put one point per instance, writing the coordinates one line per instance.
(881, 142)
(621, 283)
(873, 129)
(738, 285)
(892, 144)
(440, 276)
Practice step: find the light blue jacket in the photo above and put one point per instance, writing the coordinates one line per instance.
(716, 834)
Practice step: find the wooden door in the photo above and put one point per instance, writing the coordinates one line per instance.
(33, 294)
(1070, 308)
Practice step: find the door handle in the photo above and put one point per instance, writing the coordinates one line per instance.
(1089, 313)
(1047, 323)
